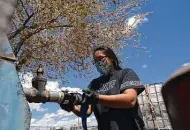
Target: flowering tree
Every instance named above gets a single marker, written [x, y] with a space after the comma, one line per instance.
[61, 34]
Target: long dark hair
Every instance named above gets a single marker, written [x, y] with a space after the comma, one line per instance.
[109, 53]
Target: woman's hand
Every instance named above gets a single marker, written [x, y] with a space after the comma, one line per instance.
[127, 99]
[67, 107]
[89, 97]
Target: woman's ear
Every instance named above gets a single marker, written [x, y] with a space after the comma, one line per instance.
[113, 63]
[110, 60]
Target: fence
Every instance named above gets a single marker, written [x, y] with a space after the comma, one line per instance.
[153, 108]
[46, 128]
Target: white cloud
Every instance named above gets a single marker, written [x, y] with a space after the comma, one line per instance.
[48, 116]
[61, 118]
[144, 66]
[186, 64]
[61, 113]
[134, 21]
[26, 79]
[53, 86]
[33, 120]
[65, 119]
[92, 121]
[37, 107]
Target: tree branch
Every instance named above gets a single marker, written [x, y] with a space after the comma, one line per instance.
[52, 26]
[24, 8]
[22, 61]
[19, 45]
[21, 28]
[26, 21]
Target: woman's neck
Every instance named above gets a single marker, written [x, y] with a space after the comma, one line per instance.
[113, 70]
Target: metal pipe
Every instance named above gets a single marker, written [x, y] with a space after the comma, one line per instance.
[35, 96]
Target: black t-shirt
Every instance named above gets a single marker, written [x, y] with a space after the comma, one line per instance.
[114, 118]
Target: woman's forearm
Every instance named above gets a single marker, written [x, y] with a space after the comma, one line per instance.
[77, 112]
[117, 101]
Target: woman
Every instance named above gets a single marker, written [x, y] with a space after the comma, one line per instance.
[113, 95]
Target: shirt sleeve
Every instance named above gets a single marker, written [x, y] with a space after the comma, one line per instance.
[90, 85]
[131, 80]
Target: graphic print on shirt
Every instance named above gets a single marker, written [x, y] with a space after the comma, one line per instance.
[107, 86]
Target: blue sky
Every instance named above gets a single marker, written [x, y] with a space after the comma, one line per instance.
[168, 37]
[167, 32]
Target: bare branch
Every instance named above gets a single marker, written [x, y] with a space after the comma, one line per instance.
[20, 29]
[24, 8]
